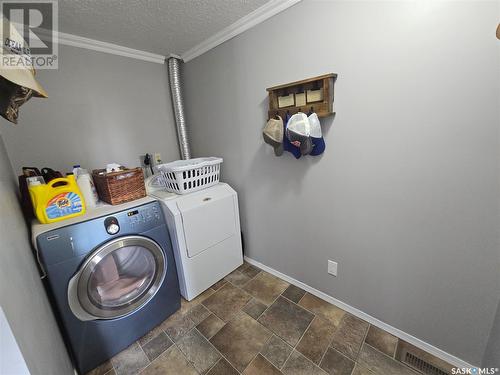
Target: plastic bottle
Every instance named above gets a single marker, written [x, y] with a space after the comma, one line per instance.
[86, 185]
[77, 169]
[58, 200]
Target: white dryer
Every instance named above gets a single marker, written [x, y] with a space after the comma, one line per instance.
[205, 230]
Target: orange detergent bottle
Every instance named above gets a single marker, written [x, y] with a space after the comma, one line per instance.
[58, 200]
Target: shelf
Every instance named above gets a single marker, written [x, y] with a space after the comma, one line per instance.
[320, 87]
[302, 82]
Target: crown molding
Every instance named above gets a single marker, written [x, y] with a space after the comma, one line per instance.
[97, 45]
[252, 19]
[259, 15]
[114, 49]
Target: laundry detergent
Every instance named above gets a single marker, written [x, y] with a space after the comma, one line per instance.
[58, 200]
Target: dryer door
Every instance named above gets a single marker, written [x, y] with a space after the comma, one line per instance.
[208, 218]
[117, 279]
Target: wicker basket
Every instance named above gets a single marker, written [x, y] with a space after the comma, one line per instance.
[119, 187]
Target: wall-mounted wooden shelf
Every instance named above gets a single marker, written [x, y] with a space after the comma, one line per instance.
[300, 96]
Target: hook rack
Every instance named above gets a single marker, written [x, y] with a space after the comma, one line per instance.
[315, 93]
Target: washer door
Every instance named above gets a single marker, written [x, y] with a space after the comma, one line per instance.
[117, 279]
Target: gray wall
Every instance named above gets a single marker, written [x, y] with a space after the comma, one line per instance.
[492, 354]
[101, 109]
[22, 296]
[405, 197]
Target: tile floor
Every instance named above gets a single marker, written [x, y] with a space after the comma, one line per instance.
[254, 323]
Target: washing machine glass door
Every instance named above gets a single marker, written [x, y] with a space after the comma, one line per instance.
[117, 279]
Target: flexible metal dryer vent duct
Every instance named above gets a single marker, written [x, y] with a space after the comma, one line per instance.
[174, 76]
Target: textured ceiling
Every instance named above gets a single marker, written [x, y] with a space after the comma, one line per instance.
[158, 26]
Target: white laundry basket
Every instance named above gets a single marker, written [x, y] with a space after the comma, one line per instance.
[186, 176]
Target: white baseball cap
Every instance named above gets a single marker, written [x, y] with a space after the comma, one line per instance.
[298, 132]
[316, 135]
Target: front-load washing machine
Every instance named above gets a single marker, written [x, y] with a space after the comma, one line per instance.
[205, 231]
[112, 277]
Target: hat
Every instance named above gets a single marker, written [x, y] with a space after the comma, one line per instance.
[316, 135]
[298, 132]
[19, 83]
[273, 134]
[295, 151]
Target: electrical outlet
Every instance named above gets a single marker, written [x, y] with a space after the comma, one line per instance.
[332, 267]
[157, 158]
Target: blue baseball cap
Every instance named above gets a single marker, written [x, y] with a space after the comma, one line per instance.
[298, 132]
[316, 135]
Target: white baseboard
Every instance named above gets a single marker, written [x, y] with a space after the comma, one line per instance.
[451, 359]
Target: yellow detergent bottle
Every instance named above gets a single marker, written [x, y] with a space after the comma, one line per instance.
[54, 203]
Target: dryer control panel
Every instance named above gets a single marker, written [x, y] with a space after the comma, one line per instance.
[78, 239]
[144, 215]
